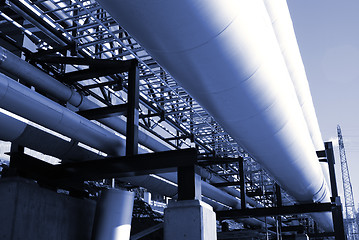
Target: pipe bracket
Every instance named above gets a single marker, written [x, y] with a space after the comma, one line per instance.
[3, 56]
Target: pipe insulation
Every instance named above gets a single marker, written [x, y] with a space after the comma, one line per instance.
[283, 27]
[228, 58]
[21, 133]
[31, 75]
[113, 215]
[284, 31]
[28, 104]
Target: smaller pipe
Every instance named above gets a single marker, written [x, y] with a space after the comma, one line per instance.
[113, 215]
[23, 134]
[33, 76]
[26, 103]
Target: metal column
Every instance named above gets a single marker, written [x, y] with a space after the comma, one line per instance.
[337, 211]
[132, 110]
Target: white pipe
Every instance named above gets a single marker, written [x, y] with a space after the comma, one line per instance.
[283, 28]
[113, 215]
[227, 57]
[60, 14]
[42, 81]
[26, 103]
[19, 132]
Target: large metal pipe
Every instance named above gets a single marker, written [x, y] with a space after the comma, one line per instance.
[228, 55]
[45, 83]
[283, 28]
[26, 103]
[21, 133]
[113, 215]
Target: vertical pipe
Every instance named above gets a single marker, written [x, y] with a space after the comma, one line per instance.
[113, 215]
[283, 27]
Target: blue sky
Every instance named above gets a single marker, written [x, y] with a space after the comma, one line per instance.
[328, 37]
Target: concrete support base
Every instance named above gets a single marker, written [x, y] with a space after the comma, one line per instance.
[188, 220]
[29, 212]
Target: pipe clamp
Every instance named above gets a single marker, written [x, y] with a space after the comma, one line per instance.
[3, 56]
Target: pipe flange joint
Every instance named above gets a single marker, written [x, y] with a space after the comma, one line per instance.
[73, 92]
[3, 55]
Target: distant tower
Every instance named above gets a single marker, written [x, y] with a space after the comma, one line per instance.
[351, 224]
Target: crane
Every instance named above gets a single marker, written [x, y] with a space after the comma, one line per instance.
[351, 224]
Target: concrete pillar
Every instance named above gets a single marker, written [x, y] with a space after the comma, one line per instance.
[113, 215]
[29, 212]
[188, 220]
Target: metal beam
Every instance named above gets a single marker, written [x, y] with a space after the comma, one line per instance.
[92, 72]
[226, 184]
[123, 66]
[242, 183]
[208, 161]
[183, 137]
[189, 183]
[338, 221]
[331, 161]
[104, 112]
[133, 106]
[275, 211]
[97, 67]
[114, 167]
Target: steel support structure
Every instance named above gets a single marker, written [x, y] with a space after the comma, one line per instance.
[111, 167]
[242, 183]
[337, 212]
[279, 210]
[132, 110]
[189, 183]
[278, 201]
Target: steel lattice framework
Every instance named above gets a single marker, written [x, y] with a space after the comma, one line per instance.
[352, 228]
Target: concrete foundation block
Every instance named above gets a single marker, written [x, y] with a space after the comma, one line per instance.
[189, 220]
[28, 211]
